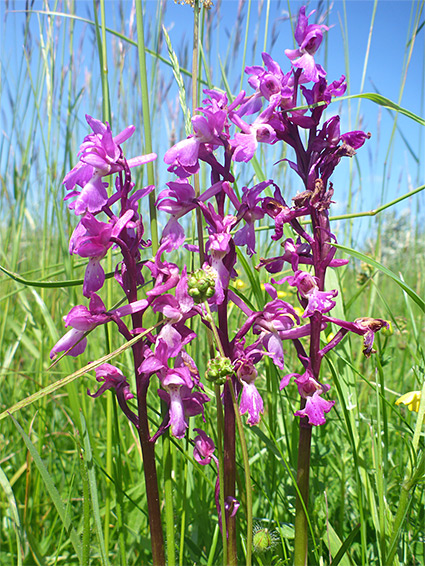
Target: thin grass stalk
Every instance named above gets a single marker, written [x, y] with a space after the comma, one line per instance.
[412, 476]
[167, 458]
[266, 26]
[146, 121]
[148, 448]
[183, 517]
[229, 445]
[195, 77]
[106, 115]
[48, 51]
[85, 539]
[245, 43]
[366, 59]
[301, 504]
[119, 488]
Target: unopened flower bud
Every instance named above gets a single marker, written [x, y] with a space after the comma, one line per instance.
[263, 539]
[201, 285]
[218, 369]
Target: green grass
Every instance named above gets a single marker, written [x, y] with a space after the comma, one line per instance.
[71, 481]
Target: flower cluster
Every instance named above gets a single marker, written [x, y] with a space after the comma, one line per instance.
[224, 132]
[226, 129]
[234, 130]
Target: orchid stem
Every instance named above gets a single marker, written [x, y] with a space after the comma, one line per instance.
[301, 505]
[151, 480]
[248, 484]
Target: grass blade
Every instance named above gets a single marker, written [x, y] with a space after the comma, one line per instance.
[370, 261]
[53, 492]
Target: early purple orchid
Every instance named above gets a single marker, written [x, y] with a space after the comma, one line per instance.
[83, 319]
[112, 377]
[92, 238]
[186, 152]
[261, 130]
[309, 37]
[203, 450]
[268, 83]
[100, 156]
[311, 390]
[253, 212]
[251, 401]
[318, 301]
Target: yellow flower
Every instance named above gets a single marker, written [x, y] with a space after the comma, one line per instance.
[411, 399]
[239, 284]
[299, 311]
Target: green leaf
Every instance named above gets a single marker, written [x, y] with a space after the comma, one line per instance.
[88, 459]
[373, 97]
[14, 515]
[179, 80]
[69, 378]
[53, 492]
[340, 557]
[386, 103]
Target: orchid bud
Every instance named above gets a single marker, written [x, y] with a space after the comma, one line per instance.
[218, 369]
[201, 285]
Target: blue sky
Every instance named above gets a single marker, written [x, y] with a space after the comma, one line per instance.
[350, 21]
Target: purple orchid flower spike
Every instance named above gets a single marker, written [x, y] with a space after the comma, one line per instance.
[315, 408]
[309, 37]
[277, 317]
[268, 83]
[112, 378]
[178, 383]
[100, 155]
[176, 309]
[178, 200]
[321, 92]
[365, 326]
[92, 238]
[183, 402]
[251, 401]
[165, 274]
[295, 253]
[221, 249]
[261, 130]
[231, 505]
[276, 208]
